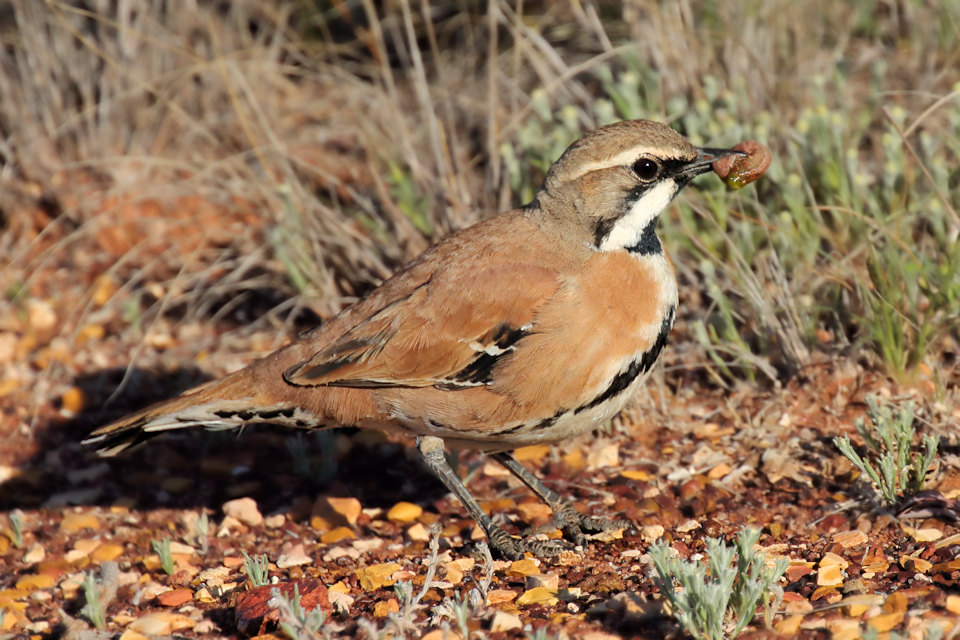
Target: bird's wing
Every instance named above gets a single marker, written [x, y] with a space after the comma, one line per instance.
[443, 327]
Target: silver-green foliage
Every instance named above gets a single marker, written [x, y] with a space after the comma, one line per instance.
[162, 549]
[94, 610]
[297, 623]
[716, 599]
[895, 469]
[16, 528]
[257, 570]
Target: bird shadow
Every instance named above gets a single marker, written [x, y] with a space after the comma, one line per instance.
[197, 469]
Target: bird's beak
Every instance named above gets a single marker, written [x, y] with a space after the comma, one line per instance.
[705, 159]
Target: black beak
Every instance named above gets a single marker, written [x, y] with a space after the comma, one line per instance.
[705, 159]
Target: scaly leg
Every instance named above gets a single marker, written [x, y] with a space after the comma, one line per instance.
[565, 517]
[431, 449]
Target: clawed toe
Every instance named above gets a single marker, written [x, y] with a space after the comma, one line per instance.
[516, 548]
[574, 524]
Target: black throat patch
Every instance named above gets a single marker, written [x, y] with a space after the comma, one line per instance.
[649, 243]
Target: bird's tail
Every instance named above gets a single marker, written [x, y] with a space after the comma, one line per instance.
[225, 403]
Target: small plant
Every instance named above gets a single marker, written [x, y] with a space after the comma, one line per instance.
[16, 528]
[297, 623]
[203, 532]
[893, 468]
[319, 471]
[162, 549]
[717, 599]
[256, 568]
[94, 610]
[460, 612]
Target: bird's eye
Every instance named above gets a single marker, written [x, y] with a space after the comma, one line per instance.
[647, 169]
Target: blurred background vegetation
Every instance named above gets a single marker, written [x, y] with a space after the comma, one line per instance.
[262, 163]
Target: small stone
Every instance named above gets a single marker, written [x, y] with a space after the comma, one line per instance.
[161, 623]
[494, 470]
[523, 568]
[35, 554]
[376, 576]
[404, 512]
[74, 556]
[796, 571]
[337, 535]
[40, 315]
[913, 563]
[500, 596]
[340, 601]
[546, 580]
[567, 558]
[859, 604]
[885, 621]
[533, 453]
[319, 523]
[72, 401]
[175, 598]
[245, 510]
[32, 583]
[795, 603]
[385, 607]
[896, 602]
[418, 533]
[688, 526]
[107, 552]
[636, 474]
[844, 630]
[830, 576]
[953, 604]
[349, 508]
[534, 511]
[605, 456]
[788, 627]
[924, 535]
[830, 559]
[827, 593]
[179, 547]
[606, 536]
[503, 621]
[275, 521]
[652, 532]
[848, 539]
[600, 635]
[441, 634]
[8, 346]
[204, 596]
[368, 545]
[719, 471]
[74, 522]
[293, 558]
[538, 595]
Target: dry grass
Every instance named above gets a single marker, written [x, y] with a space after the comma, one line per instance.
[291, 155]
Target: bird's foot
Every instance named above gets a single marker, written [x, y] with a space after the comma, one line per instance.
[515, 548]
[574, 524]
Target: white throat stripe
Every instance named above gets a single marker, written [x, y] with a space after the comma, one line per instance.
[627, 230]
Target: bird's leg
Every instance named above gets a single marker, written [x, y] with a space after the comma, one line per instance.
[565, 517]
[431, 449]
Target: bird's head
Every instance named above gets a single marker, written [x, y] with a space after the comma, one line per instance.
[615, 181]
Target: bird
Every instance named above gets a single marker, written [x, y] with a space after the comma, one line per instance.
[532, 326]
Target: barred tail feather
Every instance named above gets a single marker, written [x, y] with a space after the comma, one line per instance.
[221, 404]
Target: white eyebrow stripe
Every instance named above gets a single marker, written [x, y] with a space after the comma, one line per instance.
[622, 159]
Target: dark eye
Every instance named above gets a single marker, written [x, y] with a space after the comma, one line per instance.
[646, 169]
